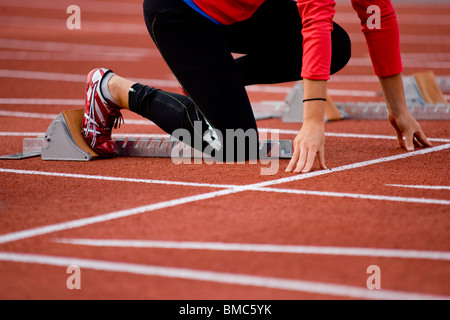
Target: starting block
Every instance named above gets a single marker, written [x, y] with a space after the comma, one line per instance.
[424, 100]
[422, 89]
[293, 106]
[64, 141]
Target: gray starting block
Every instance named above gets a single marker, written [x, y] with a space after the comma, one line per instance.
[293, 106]
[63, 141]
[424, 99]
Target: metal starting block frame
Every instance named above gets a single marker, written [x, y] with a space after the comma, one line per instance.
[378, 111]
[171, 148]
[423, 93]
[64, 141]
[424, 100]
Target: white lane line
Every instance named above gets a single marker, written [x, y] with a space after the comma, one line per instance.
[67, 77]
[410, 39]
[427, 55]
[420, 187]
[88, 26]
[347, 135]
[24, 234]
[63, 56]
[36, 115]
[80, 103]
[374, 136]
[263, 248]
[223, 186]
[353, 166]
[22, 134]
[79, 48]
[430, 39]
[403, 18]
[38, 75]
[103, 7]
[262, 130]
[320, 288]
[122, 8]
[409, 63]
[274, 89]
[15, 236]
[353, 93]
[356, 196]
[371, 79]
[32, 101]
[74, 102]
[116, 179]
[140, 29]
[114, 135]
[353, 78]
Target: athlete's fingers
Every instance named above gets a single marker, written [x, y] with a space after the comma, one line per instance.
[400, 140]
[308, 142]
[294, 159]
[399, 134]
[417, 144]
[409, 133]
[321, 156]
[409, 141]
[422, 138]
[302, 160]
[311, 157]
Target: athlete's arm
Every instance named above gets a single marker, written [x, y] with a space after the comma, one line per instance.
[310, 141]
[317, 18]
[383, 41]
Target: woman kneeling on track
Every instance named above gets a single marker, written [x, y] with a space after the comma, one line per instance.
[279, 41]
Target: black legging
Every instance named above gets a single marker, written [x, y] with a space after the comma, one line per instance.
[199, 53]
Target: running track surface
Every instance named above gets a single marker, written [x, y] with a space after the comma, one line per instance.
[150, 229]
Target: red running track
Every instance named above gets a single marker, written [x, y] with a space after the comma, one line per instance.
[220, 231]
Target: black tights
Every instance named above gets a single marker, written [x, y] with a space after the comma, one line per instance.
[199, 53]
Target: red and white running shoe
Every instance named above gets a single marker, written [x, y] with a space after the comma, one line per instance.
[100, 115]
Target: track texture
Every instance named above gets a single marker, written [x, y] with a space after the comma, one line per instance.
[220, 231]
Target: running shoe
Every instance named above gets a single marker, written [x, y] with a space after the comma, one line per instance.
[100, 115]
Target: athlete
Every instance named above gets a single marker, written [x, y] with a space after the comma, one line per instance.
[279, 41]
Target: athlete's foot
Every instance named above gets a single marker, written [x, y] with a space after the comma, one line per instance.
[101, 115]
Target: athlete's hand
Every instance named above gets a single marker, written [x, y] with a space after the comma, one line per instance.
[409, 133]
[310, 141]
[309, 144]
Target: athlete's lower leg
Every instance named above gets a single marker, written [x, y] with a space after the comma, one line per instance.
[119, 88]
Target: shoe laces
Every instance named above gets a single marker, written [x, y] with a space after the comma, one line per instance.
[115, 118]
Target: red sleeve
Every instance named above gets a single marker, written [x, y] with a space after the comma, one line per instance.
[383, 43]
[317, 17]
